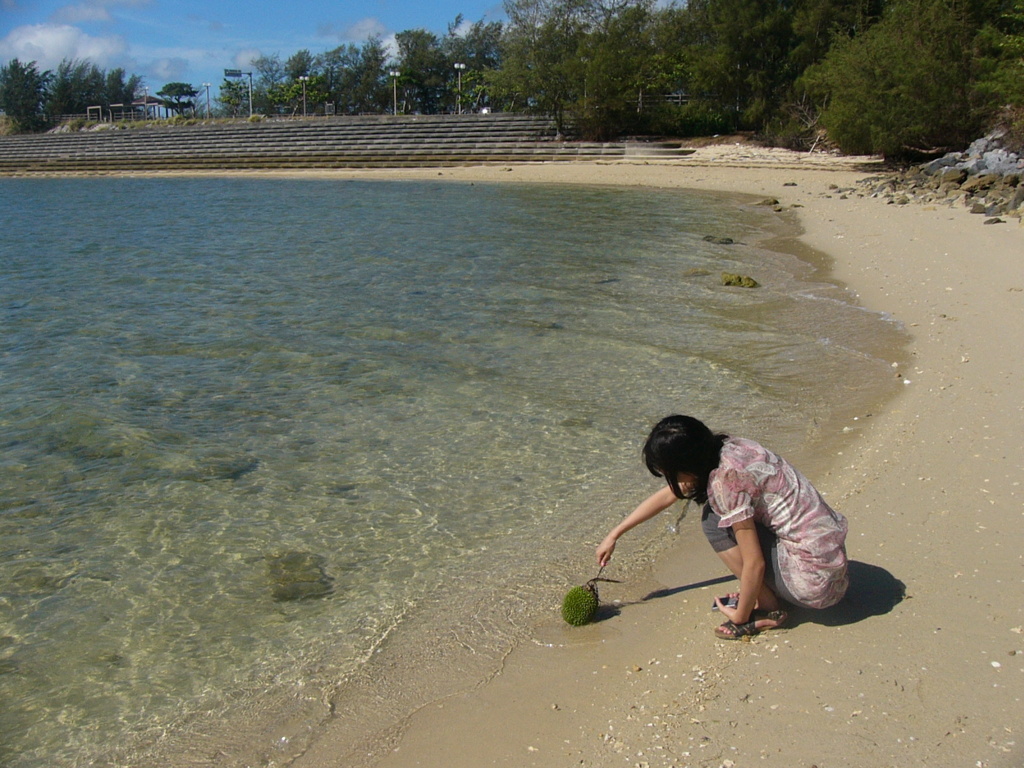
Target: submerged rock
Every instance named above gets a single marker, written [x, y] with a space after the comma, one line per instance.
[741, 281]
[217, 467]
[577, 421]
[718, 240]
[298, 576]
[230, 467]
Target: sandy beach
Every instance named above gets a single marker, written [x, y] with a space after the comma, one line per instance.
[923, 665]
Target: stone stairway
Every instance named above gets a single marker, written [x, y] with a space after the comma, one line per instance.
[345, 142]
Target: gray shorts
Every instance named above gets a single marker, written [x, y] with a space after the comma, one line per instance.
[722, 539]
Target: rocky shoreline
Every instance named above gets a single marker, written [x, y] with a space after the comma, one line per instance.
[986, 178]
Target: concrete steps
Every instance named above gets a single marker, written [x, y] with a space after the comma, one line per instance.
[365, 142]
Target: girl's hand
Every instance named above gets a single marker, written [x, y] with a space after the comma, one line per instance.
[727, 611]
[604, 551]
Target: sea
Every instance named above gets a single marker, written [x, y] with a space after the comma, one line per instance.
[279, 452]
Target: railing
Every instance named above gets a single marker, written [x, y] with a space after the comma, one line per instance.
[648, 99]
[99, 115]
[118, 113]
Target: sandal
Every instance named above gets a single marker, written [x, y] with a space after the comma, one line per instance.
[779, 617]
[730, 630]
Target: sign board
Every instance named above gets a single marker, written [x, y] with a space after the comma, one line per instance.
[232, 73]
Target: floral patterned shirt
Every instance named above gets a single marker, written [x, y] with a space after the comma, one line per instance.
[753, 482]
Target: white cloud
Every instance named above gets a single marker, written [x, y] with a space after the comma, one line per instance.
[464, 28]
[49, 44]
[364, 29]
[168, 70]
[358, 32]
[245, 58]
[91, 11]
[161, 64]
[77, 14]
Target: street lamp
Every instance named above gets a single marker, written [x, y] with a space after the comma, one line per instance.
[207, 87]
[304, 79]
[395, 75]
[459, 66]
[585, 61]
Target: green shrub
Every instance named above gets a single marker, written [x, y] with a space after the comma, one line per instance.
[796, 128]
[1011, 120]
[906, 84]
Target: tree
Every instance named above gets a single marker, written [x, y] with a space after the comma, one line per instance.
[745, 66]
[181, 97]
[119, 90]
[22, 94]
[619, 66]
[424, 70]
[541, 66]
[74, 87]
[299, 64]
[233, 96]
[269, 73]
[1004, 40]
[817, 23]
[368, 85]
[906, 84]
[479, 48]
[289, 96]
[354, 76]
[593, 61]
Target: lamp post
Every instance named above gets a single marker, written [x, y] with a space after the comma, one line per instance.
[207, 87]
[394, 87]
[459, 66]
[585, 61]
[304, 79]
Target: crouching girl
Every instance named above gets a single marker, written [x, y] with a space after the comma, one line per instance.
[767, 523]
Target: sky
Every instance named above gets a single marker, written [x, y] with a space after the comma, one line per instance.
[194, 41]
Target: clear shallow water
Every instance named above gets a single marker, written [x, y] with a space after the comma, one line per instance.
[249, 426]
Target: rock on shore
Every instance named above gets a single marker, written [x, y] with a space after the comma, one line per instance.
[986, 177]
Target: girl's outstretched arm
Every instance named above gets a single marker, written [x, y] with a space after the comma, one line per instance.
[653, 505]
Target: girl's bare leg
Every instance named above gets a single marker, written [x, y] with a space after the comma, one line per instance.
[766, 599]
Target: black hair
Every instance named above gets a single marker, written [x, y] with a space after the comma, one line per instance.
[683, 444]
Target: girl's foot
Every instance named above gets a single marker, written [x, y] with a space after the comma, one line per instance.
[760, 621]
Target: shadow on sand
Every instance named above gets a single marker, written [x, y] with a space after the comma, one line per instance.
[873, 591]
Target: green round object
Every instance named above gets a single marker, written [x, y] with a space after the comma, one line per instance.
[579, 605]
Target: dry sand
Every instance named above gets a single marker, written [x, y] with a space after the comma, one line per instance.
[931, 486]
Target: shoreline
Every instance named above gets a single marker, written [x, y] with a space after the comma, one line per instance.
[931, 487]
